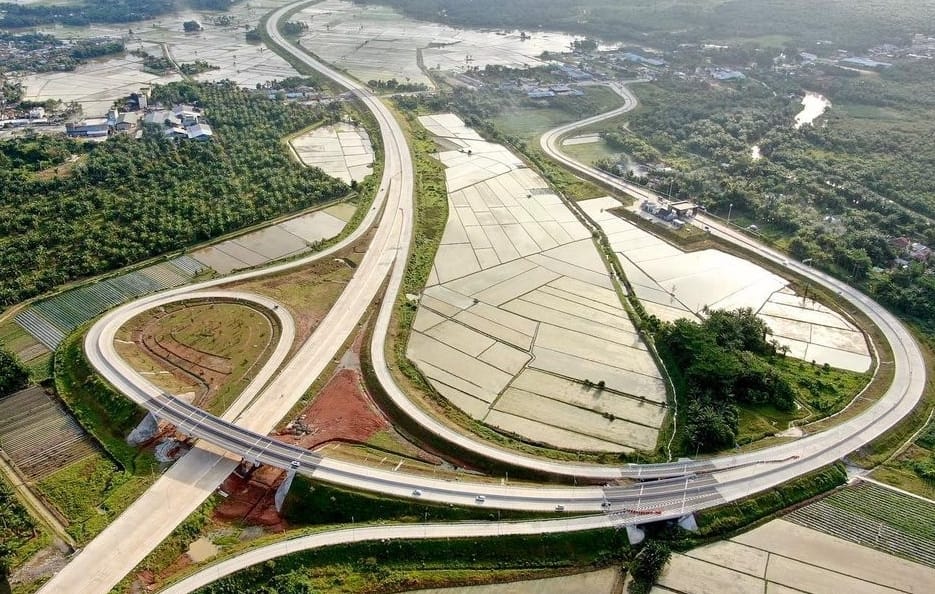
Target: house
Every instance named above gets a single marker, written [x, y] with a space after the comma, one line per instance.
[92, 128]
[176, 132]
[127, 122]
[900, 244]
[162, 117]
[201, 132]
[919, 252]
[187, 114]
[37, 113]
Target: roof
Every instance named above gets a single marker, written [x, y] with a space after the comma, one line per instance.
[200, 131]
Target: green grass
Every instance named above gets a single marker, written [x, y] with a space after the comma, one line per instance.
[104, 413]
[398, 565]
[528, 124]
[90, 493]
[591, 152]
[311, 503]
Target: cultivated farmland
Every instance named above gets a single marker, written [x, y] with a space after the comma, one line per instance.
[876, 517]
[520, 325]
[50, 320]
[39, 436]
[342, 151]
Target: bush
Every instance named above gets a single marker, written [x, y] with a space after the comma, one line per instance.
[647, 565]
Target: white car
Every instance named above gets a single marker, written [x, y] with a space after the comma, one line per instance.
[480, 499]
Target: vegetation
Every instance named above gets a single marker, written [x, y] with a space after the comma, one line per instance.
[90, 494]
[88, 11]
[844, 22]
[104, 413]
[311, 503]
[394, 86]
[294, 28]
[40, 52]
[191, 26]
[647, 565]
[17, 527]
[722, 362]
[395, 566]
[13, 374]
[131, 199]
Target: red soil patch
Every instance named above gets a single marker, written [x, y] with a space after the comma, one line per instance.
[341, 411]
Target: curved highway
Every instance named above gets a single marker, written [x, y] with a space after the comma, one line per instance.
[687, 486]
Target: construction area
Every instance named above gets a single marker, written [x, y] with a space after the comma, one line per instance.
[519, 325]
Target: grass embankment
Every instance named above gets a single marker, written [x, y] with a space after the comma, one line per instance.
[399, 565]
[20, 534]
[311, 503]
[92, 492]
[904, 464]
[396, 566]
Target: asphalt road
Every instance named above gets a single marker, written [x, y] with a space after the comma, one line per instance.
[729, 477]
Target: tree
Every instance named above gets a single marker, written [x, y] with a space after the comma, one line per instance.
[13, 375]
[646, 567]
[191, 26]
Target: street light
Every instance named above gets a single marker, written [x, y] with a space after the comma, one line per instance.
[730, 207]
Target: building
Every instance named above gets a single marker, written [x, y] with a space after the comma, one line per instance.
[684, 209]
[127, 122]
[725, 74]
[640, 59]
[92, 128]
[201, 132]
[864, 63]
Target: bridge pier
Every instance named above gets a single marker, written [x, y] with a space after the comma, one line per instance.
[687, 522]
[635, 534]
[283, 489]
[145, 431]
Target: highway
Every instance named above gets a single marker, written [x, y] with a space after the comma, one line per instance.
[243, 435]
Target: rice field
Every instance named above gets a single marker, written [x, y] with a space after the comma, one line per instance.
[50, 320]
[673, 284]
[38, 434]
[376, 42]
[520, 325]
[877, 517]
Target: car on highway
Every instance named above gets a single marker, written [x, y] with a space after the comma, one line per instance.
[480, 499]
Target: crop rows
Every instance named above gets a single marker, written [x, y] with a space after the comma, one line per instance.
[39, 435]
[876, 517]
[51, 320]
